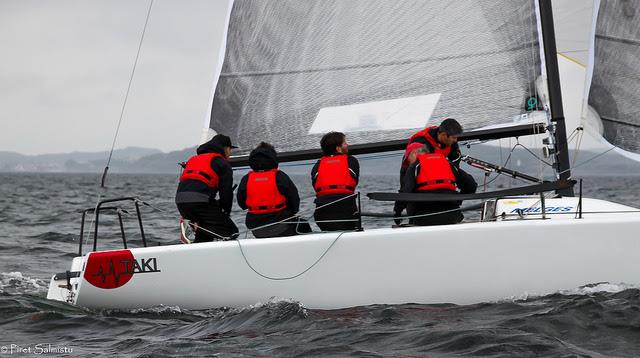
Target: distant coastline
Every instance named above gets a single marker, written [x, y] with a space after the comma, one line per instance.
[136, 160]
[126, 160]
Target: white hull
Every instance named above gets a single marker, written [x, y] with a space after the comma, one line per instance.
[462, 264]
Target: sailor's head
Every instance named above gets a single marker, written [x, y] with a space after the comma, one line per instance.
[223, 142]
[334, 143]
[449, 131]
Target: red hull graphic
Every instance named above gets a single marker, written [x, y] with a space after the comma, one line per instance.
[111, 269]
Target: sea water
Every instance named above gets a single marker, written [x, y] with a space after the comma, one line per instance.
[40, 226]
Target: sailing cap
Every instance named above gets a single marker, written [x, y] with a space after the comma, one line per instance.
[223, 141]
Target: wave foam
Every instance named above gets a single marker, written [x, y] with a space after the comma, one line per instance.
[598, 287]
[17, 283]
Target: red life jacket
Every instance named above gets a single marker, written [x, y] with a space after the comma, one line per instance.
[263, 196]
[334, 176]
[435, 173]
[434, 143]
[199, 168]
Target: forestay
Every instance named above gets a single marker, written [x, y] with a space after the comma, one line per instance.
[374, 69]
[614, 72]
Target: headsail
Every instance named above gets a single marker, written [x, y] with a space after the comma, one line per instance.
[375, 69]
[614, 73]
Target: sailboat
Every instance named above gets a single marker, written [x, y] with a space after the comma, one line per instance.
[378, 70]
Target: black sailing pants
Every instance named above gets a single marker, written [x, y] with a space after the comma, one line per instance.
[210, 217]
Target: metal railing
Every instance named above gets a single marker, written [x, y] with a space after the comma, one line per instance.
[100, 208]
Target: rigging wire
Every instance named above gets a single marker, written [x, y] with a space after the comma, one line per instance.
[578, 146]
[506, 162]
[126, 96]
[589, 160]
[518, 144]
[124, 104]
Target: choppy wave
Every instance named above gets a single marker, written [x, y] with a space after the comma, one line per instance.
[17, 283]
[600, 319]
[591, 322]
[599, 287]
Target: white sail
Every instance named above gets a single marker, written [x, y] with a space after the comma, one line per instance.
[293, 68]
[613, 83]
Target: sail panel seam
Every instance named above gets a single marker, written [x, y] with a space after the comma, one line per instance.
[371, 65]
[618, 39]
[620, 122]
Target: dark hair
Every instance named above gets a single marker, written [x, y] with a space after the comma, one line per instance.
[330, 141]
[267, 146]
[451, 127]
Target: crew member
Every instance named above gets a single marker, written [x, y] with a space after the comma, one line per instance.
[335, 177]
[442, 139]
[270, 196]
[206, 175]
[433, 173]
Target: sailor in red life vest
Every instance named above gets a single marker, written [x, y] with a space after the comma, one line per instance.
[442, 139]
[432, 172]
[334, 177]
[206, 175]
[270, 196]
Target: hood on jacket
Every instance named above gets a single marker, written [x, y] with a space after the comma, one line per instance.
[263, 159]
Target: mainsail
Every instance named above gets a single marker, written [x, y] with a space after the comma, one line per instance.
[614, 72]
[374, 69]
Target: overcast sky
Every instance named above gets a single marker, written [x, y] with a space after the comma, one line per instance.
[65, 68]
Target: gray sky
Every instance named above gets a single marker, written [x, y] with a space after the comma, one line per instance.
[65, 68]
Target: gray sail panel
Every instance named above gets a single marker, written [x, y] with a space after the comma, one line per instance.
[615, 80]
[375, 69]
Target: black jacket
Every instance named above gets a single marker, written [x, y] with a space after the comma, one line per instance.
[261, 159]
[190, 191]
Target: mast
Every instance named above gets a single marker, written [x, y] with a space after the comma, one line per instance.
[561, 150]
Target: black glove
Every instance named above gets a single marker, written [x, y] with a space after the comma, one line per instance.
[397, 214]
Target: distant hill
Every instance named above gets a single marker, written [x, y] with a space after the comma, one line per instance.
[74, 161]
[153, 161]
